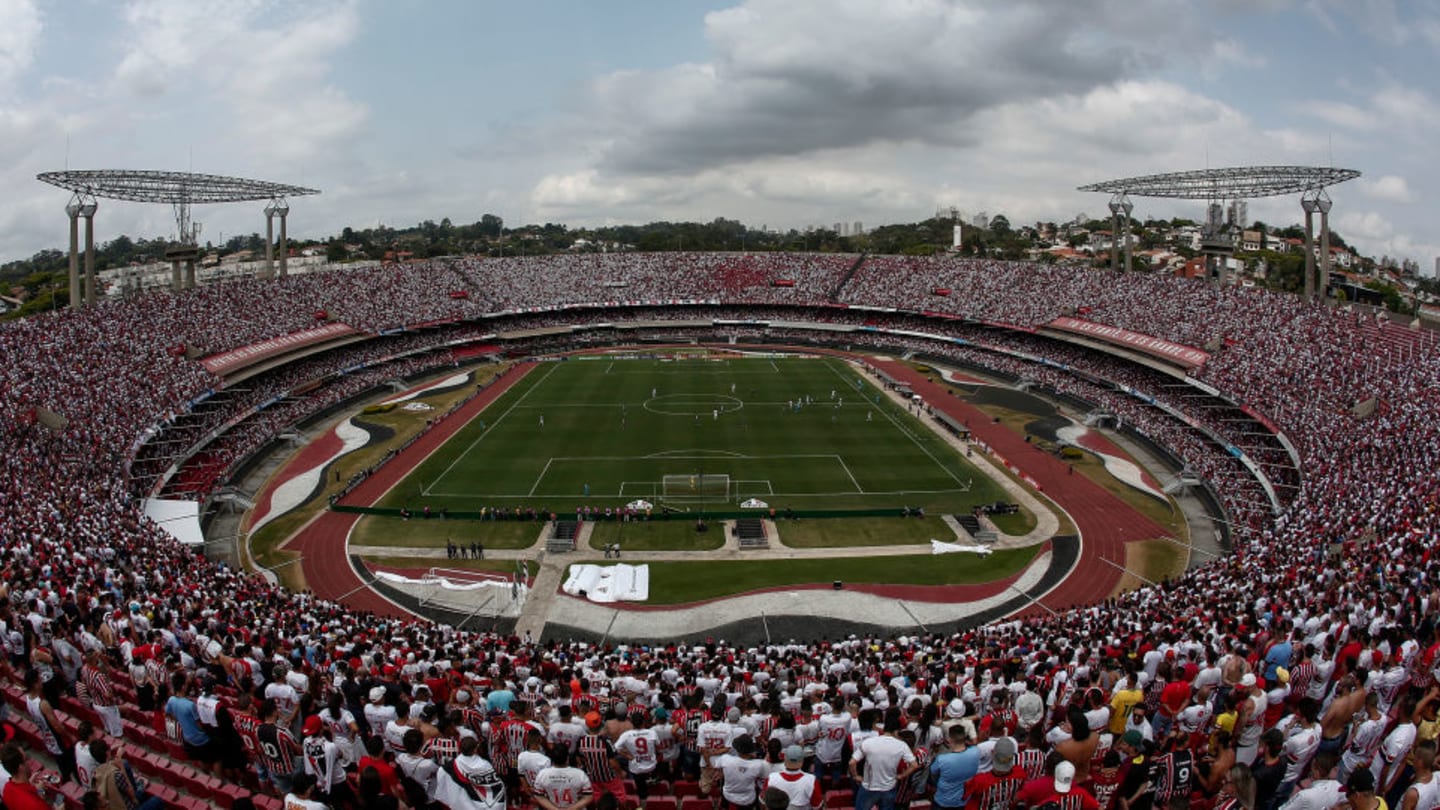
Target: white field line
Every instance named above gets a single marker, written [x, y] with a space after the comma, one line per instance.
[886, 413]
[489, 429]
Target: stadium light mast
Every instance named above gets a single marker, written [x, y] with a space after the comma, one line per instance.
[1239, 183]
[180, 190]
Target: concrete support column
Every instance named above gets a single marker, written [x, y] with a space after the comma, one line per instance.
[176, 281]
[1323, 201]
[88, 212]
[189, 274]
[73, 211]
[1316, 201]
[1120, 208]
[1114, 237]
[1309, 250]
[269, 243]
[284, 243]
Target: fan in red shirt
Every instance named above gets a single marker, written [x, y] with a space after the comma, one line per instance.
[995, 789]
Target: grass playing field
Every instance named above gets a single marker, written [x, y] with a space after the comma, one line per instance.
[702, 432]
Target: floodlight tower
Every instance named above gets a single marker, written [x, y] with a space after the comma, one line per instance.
[1239, 183]
[180, 189]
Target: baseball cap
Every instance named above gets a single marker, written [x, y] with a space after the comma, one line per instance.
[1282, 674]
[1064, 777]
[1133, 738]
[377, 693]
[733, 715]
[1002, 757]
[593, 720]
[1248, 681]
[794, 753]
[313, 725]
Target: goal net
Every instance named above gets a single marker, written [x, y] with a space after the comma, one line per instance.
[707, 484]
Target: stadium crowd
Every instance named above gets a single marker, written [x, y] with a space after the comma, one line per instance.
[1298, 673]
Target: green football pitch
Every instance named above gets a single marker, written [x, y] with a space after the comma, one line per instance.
[700, 432]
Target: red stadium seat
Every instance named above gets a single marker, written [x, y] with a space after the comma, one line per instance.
[840, 798]
[696, 803]
[684, 788]
[662, 803]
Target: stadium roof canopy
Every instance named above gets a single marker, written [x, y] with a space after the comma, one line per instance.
[178, 188]
[1236, 183]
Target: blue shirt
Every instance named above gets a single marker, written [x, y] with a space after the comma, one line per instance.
[188, 717]
[1279, 656]
[950, 771]
[500, 700]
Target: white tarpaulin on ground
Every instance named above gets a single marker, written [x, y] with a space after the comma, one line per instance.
[179, 519]
[937, 547]
[754, 503]
[447, 584]
[609, 583]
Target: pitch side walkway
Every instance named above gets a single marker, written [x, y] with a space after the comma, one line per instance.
[1105, 522]
[879, 605]
[321, 543]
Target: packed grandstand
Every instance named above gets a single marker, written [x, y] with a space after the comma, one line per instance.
[1316, 427]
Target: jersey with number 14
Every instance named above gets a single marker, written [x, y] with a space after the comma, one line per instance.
[562, 786]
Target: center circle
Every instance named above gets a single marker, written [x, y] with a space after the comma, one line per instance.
[692, 404]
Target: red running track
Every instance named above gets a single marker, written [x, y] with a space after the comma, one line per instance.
[1106, 523]
[321, 543]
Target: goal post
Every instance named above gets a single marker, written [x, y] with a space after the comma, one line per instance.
[696, 485]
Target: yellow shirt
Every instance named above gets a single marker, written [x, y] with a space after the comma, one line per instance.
[1120, 706]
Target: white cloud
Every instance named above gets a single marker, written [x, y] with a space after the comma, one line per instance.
[1389, 187]
[1374, 234]
[20, 28]
[267, 63]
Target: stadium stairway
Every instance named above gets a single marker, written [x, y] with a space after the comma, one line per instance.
[751, 533]
[834, 294]
[542, 595]
[969, 523]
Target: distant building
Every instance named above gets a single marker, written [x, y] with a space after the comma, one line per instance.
[857, 229]
[1238, 214]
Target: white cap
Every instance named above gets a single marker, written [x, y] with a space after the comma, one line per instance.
[1064, 777]
[1248, 681]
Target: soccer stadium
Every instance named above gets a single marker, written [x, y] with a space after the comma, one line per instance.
[638, 399]
[1104, 514]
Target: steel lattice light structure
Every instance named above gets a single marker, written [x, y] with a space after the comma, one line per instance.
[180, 190]
[169, 187]
[1235, 184]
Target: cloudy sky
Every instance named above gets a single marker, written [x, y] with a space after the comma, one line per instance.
[775, 112]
